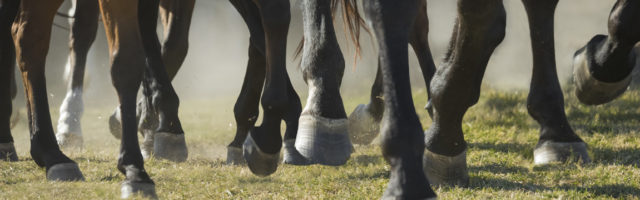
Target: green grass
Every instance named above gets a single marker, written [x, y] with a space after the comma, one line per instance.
[500, 134]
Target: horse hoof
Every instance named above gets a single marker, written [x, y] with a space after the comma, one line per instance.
[446, 170]
[549, 152]
[147, 144]
[291, 155]
[324, 141]
[590, 90]
[65, 172]
[234, 156]
[114, 124]
[363, 127]
[8, 152]
[69, 140]
[259, 162]
[130, 188]
[170, 146]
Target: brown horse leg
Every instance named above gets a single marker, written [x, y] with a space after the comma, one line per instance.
[127, 66]
[8, 11]
[31, 33]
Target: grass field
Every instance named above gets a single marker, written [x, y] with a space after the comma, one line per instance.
[500, 133]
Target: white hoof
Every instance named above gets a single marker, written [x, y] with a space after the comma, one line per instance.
[549, 152]
[324, 141]
[170, 146]
[446, 170]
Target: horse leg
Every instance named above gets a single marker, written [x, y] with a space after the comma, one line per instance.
[31, 34]
[402, 145]
[127, 66]
[84, 26]
[8, 11]
[419, 40]
[364, 121]
[323, 128]
[602, 68]
[479, 28]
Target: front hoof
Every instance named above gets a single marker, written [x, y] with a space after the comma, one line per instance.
[65, 172]
[291, 155]
[8, 152]
[130, 188]
[549, 152]
[114, 124]
[363, 127]
[147, 143]
[170, 146]
[234, 156]
[324, 141]
[69, 140]
[446, 170]
[590, 90]
[259, 162]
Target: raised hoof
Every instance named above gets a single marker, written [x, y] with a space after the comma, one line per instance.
[68, 140]
[446, 170]
[147, 143]
[170, 146]
[129, 189]
[259, 162]
[65, 172]
[8, 152]
[114, 124]
[291, 155]
[549, 152]
[324, 141]
[590, 90]
[363, 127]
[234, 156]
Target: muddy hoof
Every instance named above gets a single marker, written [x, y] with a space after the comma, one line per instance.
[363, 127]
[130, 188]
[69, 140]
[8, 152]
[291, 155]
[234, 156]
[445, 170]
[170, 146]
[147, 143]
[114, 124]
[65, 172]
[259, 162]
[549, 152]
[590, 90]
[324, 141]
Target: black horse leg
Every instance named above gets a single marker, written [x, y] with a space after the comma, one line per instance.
[31, 33]
[84, 26]
[402, 145]
[557, 141]
[480, 27]
[8, 11]
[419, 40]
[602, 68]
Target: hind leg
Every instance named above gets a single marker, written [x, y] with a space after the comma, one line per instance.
[31, 34]
[602, 68]
[419, 40]
[84, 26]
[8, 11]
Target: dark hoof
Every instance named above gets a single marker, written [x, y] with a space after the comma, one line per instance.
[590, 90]
[64, 172]
[291, 155]
[114, 124]
[8, 152]
[69, 140]
[323, 141]
[129, 189]
[363, 127]
[259, 162]
[234, 156]
[445, 170]
[147, 143]
[170, 146]
[549, 152]
[15, 118]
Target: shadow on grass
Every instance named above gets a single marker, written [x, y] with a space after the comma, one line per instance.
[498, 168]
[525, 150]
[620, 156]
[609, 190]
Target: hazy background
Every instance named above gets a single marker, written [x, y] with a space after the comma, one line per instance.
[216, 62]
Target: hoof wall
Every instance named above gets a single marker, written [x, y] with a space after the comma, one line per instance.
[68, 140]
[292, 156]
[446, 170]
[114, 124]
[129, 189]
[234, 156]
[259, 162]
[363, 127]
[324, 141]
[8, 152]
[549, 152]
[590, 90]
[65, 172]
[170, 146]
[147, 144]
